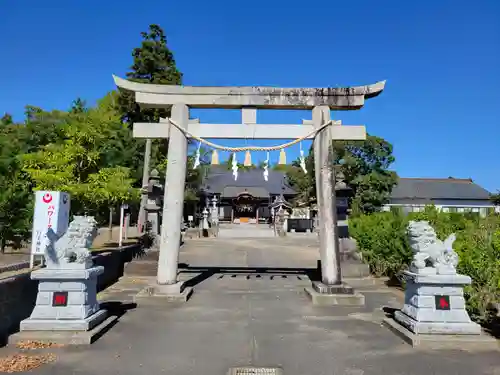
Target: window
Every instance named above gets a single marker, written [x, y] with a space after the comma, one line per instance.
[481, 211]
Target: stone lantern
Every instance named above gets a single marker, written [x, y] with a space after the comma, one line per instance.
[154, 205]
[343, 193]
[281, 211]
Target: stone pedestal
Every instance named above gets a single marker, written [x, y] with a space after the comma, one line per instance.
[164, 293]
[434, 312]
[66, 309]
[334, 295]
[435, 304]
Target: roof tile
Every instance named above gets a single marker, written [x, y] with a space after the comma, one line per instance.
[438, 188]
[218, 179]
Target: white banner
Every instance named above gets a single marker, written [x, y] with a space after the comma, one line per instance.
[51, 212]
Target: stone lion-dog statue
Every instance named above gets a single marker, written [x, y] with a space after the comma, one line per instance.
[431, 256]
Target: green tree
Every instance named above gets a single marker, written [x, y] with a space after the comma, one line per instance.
[365, 167]
[153, 63]
[495, 198]
[15, 209]
[42, 127]
[194, 178]
[303, 183]
[6, 119]
[39, 129]
[78, 106]
[83, 162]
[15, 192]
[109, 188]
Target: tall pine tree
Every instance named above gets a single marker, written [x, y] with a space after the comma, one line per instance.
[6, 119]
[153, 63]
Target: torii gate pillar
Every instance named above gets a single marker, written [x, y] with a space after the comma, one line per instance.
[173, 203]
[325, 196]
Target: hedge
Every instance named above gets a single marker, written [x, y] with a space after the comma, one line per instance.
[382, 240]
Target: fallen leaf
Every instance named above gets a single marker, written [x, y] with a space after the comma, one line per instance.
[37, 345]
[22, 362]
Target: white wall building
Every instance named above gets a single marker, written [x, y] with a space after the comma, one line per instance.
[447, 194]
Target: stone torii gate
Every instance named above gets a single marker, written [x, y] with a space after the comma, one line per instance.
[179, 127]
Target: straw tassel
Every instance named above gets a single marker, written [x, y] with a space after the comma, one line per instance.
[215, 157]
[248, 159]
[282, 159]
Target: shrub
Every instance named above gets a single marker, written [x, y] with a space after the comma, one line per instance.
[478, 248]
[382, 240]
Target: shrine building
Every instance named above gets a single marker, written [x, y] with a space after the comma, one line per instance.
[248, 198]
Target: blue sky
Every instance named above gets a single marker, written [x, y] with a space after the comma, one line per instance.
[441, 60]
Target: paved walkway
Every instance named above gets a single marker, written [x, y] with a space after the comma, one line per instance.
[245, 230]
[249, 309]
[241, 231]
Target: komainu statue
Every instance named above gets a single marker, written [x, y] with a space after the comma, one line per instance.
[430, 255]
[71, 250]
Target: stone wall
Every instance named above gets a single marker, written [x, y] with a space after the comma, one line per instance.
[17, 299]
[14, 267]
[18, 293]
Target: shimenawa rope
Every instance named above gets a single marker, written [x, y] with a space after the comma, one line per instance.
[249, 148]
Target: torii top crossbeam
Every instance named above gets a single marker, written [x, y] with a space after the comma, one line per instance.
[157, 96]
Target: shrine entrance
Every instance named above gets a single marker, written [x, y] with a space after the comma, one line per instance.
[245, 209]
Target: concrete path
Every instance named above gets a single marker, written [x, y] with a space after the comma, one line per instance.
[240, 231]
[249, 309]
[235, 231]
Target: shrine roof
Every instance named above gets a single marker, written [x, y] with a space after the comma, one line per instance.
[234, 191]
[219, 179]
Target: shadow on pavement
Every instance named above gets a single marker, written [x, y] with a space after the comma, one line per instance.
[115, 309]
[204, 273]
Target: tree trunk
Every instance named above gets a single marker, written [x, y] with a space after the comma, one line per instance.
[110, 227]
[3, 243]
